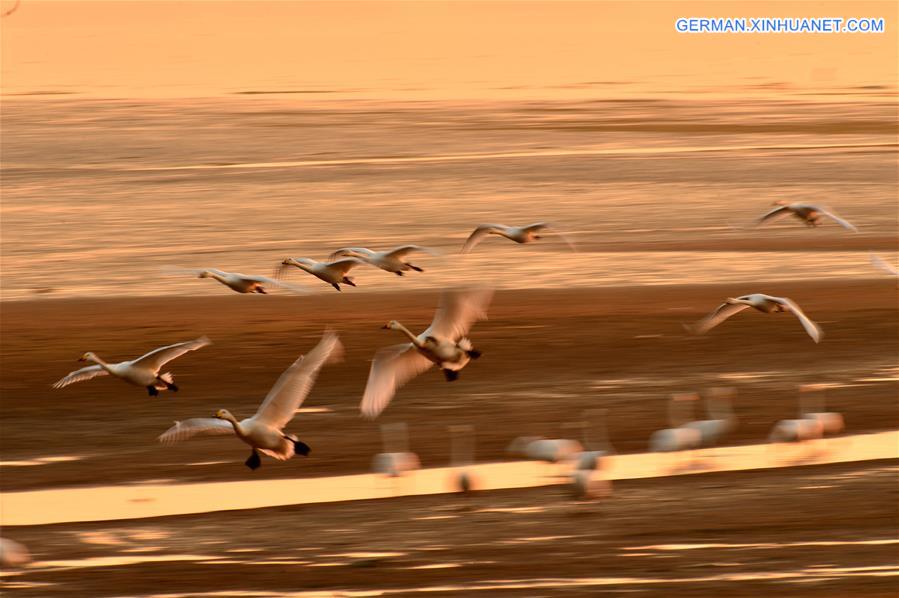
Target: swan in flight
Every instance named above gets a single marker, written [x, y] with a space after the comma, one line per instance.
[443, 343]
[808, 213]
[241, 283]
[391, 261]
[334, 273]
[764, 303]
[264, 432]
[519, 234]
[143, 371]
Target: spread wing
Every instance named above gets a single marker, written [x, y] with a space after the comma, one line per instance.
[158, 358]
[205, 426]
[458, 310]
[391, 368]
[350, 251]
[774, 214]
[345, 265]
[811, 327]
[721, 313]
[291, 389]
[845, 224]
[404, 250]
[91, 371]
[884, 265]
[480, 232]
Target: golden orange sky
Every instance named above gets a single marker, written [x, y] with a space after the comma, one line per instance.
[428, 49]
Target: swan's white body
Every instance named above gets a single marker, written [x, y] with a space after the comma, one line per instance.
[264, 431]
[391, 261]
[334, 273]
[763, 303]
[443, 344]
[796, 430]
[244, 283]
[681, 436]
[808, 213]
[143, 371]
[550, 450]
[519, 234]
[721, 420]
[395, 464]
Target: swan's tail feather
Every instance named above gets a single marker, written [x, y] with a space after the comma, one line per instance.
[168, 377]
[465, 344]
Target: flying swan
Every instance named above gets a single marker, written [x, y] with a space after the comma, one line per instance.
[764, 303]
[443, 343]
[519, 234]
[264, 432]
[808, 213]
[334, 273]
[143, 371]
[391, 261]
[240, 283]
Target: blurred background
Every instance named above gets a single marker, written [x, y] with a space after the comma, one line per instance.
[137, 136]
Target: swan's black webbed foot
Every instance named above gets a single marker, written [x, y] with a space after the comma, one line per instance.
[474, 354]
[261, 291]
[335, 285]
[398, 273]
[451, 375]
[254, 461]
[416, 268]
[349, 281]
[152, 391]
[300, 447]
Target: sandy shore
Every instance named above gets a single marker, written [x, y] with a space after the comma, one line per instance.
[621, 348]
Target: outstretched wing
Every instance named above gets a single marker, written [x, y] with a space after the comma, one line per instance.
[345, 265]
[774, 214]
[458, 310]
[350, 251]
[538, 226]
[391, 368]
[405, 250]
[721, 313]
[811, 327]
[161, 356]
[480, 232]
[91, 371]
[291, 389]
[845, 224]
[205, 426]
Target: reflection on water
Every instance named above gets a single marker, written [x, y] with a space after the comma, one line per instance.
[765, 546]
[40, 461]
[139, 501]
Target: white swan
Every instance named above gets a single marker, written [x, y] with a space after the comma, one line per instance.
[810, 214]
[264, 431]
[143, 371]
[765, 304]
[391, 261]
[396, 459]
[679, 436]
[519, 234]
[334, 273]
[443, 343]
[721, 418]
[241, 283]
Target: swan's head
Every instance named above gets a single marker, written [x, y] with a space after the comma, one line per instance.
[204, 274]
[296, 261]
[780, 202]
[391, 325]
[88, 357]
[224, 414]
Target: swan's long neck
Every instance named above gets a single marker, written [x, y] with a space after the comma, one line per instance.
[217, 276]
[301, 266]
[236, 424]
[101, 363]
[408, 333]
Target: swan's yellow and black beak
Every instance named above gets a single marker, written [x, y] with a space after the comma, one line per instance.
[385, 327]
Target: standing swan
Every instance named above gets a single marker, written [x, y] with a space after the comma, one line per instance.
[808, 213]
[334, 273]
[443, 343]
[391, 261]
[264, 432]
[143, 371]
[519, 234]
[764, 303]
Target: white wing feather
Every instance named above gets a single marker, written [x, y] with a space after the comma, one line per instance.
[161, 356]
[206, 426]
[91, 371]
[721, 313]
[294, 385]
[811, 327]
[391, 368]
[845, 224]
[480, 232]
[457, 311]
